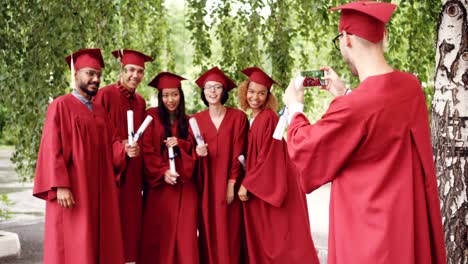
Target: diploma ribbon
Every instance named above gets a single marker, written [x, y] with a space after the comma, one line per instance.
[142, 128]
[171, 159]
[196, 131]
[132, 136]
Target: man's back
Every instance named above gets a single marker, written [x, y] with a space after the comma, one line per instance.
[386, 108]
[374, 145]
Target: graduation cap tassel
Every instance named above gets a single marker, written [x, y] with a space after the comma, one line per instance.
[72, 72]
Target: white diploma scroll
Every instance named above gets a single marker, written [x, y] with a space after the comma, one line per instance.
[283, 120]
[241, 159]
[281, 126]
[130, 126]
[196, 131]
[171, 159]
[142, 128]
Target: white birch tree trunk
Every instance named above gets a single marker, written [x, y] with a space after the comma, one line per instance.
[449, 126]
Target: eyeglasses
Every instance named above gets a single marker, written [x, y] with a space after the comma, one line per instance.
[335, 41]
[214, 87]
[91, 74]
[337, 38]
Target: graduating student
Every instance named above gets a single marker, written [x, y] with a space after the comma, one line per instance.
[277, 228]
[117, 99]
[78, 156]
[224, 131]
[170, 215]
[374, 145]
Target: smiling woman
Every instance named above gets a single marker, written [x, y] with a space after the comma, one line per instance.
[170, 199]
[271, 101]
[270, 191]
[224, 131]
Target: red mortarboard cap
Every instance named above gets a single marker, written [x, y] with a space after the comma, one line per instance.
[365, 19]
[131, 57]
[257, 75]
[91, 58]
[166, 80]
[216, 75]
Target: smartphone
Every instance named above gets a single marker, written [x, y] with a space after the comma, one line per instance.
[313, 78]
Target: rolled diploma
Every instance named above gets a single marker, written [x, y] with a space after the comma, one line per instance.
[281, 126]
[196, 131]
[171, 159]
[241, 159]
[142, 128]
[283, 121]
[130, 126]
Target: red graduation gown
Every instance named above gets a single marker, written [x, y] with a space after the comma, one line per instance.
[170, 215]
[277, 228]
[130, 200]
[374, 146]
[221, 224]
[77, 152]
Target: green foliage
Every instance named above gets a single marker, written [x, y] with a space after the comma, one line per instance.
[187, 37]
[413, 38]
[200, 32]
[5, 214]
[283, 37]
[5, 136]
[37, 35]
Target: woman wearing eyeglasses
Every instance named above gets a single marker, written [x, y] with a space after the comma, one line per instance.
[277, 228]
[224, 132]
[170, 212]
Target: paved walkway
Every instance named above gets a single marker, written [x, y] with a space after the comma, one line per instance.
[25, 209]
[28, 215]
[31, 238]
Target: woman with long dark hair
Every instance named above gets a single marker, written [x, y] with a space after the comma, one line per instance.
[224, 131]
[169, 233]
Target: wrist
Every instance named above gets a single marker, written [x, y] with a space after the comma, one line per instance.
[293, 109]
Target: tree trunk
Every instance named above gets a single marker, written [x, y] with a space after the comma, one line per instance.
[450, 126]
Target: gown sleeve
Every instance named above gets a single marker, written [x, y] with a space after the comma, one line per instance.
[240, 141]
[154, 164]
[54, 153]
[320, 151]
[119, 156]
[185, 162]
[266, 175]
